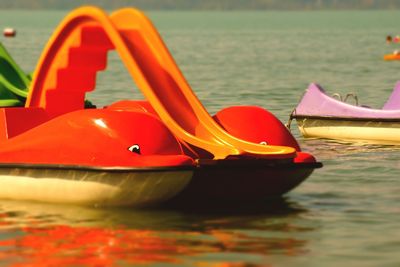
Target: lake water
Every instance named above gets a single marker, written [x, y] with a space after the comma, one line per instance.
[345, 214]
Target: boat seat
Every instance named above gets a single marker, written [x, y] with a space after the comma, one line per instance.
[393, 101]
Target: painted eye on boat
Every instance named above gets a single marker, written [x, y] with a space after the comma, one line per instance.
[135, 149]
[263, 143]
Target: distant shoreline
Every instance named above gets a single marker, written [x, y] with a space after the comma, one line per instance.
[199, 9]
[208, 5]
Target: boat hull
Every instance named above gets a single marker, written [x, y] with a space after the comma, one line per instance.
[374, 131]
[92, 186]
[220, 182]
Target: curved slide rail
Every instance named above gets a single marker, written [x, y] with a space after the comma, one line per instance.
[78, 49]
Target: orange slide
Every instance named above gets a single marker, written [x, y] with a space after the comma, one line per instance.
[78, 49]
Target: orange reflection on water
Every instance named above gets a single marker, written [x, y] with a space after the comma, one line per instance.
[63, 245]
[42, 235]
[68, 246]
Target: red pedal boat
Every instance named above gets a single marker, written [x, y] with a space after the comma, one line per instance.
[136, 153]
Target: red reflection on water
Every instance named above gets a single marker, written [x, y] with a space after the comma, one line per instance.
[70, 246]
[65, 245]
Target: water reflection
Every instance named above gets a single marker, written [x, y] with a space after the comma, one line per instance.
[33, 234]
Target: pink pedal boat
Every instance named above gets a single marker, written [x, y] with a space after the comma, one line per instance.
[319, 115]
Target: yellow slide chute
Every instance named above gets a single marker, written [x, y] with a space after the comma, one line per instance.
[78, 49]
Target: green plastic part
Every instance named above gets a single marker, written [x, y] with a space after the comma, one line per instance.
[14, 83]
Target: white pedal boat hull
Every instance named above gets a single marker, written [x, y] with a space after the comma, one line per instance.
[380, 132]
[90, 186]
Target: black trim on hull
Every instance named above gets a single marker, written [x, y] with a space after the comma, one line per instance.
[94, 168]
[203, 163]
[256, 163]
